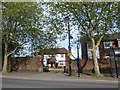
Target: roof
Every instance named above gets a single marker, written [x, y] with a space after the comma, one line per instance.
[112, 37]
[54, 51]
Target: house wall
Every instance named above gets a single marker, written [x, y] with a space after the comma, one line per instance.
[104, 49]
[90, 53]
[102, 52]
[59, 57]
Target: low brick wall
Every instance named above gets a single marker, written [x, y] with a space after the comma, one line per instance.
[30, 64]
[89, 65]
[34, 64]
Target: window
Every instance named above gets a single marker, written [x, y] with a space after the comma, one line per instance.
[61, 63]
[108, 44]
[118, 43]
[62, 55]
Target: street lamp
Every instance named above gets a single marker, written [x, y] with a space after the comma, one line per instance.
[67, 19]
[78, 59]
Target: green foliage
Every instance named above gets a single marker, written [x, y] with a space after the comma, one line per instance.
[94, 18]
[42, 23]
[18, 21]
[28, 22]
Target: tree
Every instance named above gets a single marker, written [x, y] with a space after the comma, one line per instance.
[95, 19]
[26, 23]
[50, 24]
[18, 21]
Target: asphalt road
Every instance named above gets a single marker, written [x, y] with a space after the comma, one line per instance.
[19, 83]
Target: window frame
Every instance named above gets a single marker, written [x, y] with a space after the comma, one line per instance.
[109, 44]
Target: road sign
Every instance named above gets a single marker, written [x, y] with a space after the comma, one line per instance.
[70, 54]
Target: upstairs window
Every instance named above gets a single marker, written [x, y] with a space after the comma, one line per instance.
[119, 43]
[108, 44]
[62, 55]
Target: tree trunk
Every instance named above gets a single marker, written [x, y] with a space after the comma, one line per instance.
[96, 66]
[5, 64]
[41, 64]
[5, 60]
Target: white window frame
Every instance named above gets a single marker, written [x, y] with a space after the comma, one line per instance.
[109, 44]
[118, 42]
[62, 55]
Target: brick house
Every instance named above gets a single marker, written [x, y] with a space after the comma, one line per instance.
[111, 40]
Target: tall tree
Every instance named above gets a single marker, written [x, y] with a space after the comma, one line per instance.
[26, 22]
[18, 21]
[95, 19]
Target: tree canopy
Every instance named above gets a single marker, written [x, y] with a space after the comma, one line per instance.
[93, 20]
[26, 23]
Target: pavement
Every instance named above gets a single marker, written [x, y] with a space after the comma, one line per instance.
[57, 75]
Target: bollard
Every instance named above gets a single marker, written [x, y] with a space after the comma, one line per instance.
[64, 69]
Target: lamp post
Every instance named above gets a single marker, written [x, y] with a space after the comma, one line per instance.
[78, 60]
[67, 19]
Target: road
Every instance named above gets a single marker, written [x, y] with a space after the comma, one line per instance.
[19, 83]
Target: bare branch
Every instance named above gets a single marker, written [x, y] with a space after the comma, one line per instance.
[98, 43]
[15, 49]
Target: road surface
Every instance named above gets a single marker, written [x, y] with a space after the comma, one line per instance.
[22, 83]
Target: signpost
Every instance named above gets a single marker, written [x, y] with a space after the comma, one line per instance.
[70, 54]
